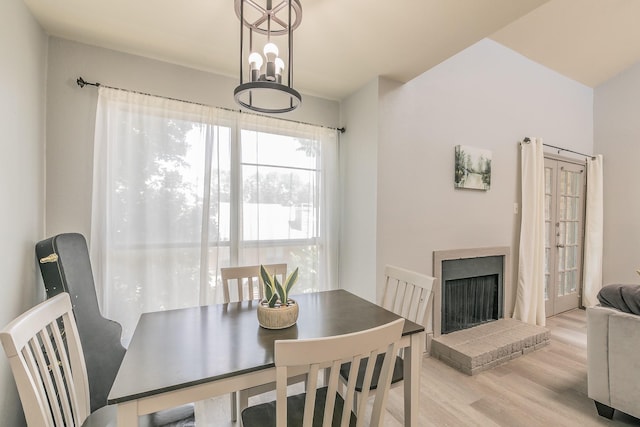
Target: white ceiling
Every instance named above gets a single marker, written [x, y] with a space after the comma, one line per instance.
[343, 44]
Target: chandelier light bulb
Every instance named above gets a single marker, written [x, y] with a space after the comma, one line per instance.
[279, 67]
[255, 62]
[270, 51]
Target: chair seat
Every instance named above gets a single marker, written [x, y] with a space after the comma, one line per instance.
[398, 372]
[103, 417]
[182, 416]
[264, 415]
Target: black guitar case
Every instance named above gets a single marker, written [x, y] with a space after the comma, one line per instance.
[65, 267]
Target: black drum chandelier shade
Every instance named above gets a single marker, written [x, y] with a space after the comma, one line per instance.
[266, 76]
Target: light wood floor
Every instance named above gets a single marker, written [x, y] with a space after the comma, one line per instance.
[547, 387]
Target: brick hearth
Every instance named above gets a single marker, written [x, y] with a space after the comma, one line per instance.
[485, 346]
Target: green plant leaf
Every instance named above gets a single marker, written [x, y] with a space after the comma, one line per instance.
[269, 294]
[281, 291]
[269, 289]
[267, 279]
[272, 300]
[291, 280]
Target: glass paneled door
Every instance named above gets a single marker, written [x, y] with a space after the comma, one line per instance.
[564, 216]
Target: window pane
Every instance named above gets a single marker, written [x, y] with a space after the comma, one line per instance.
[561, 256]
[547, 180]
[546, 287]
[278, 150]
[279, 187]
[575, 180]
[547, 234]
[570, 238]
[278, 203]
[573, 281]
[547, 253]
[574, 208]
[547, 207]
[560, 285]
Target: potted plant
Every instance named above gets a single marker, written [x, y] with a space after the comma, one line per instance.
[277, 310]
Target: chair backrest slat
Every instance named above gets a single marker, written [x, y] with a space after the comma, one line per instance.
[32, 370]
[330, 353]
[48, 365]
[408, 294]
[49, 362]
[248, 283]
[386, 372]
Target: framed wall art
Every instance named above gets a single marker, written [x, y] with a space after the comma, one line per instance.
[472, 168]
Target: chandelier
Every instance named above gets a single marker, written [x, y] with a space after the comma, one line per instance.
[266, 50]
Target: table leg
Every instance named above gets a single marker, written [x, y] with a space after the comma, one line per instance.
[234, 406]
[128, 414]
[243, 401]
[412, 365]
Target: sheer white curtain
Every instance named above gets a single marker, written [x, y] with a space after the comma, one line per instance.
[529, 306]
[182, 189]
[593, 235]
[155, 229]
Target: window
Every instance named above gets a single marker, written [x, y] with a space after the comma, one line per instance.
[181, 190]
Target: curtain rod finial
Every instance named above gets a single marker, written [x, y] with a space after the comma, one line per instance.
[82, 83]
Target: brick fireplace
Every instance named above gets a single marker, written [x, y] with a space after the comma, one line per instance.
[472, 328]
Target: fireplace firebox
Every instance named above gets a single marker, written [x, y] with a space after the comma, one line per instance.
[471, 292]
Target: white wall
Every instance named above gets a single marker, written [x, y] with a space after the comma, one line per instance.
[22, 109]
[617, 138]
[488, 97]
[71, 116]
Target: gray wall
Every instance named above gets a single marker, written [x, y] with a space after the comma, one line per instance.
[358, 157]
[71, 116]
[488, 97]
[23, 56]
[617, 137]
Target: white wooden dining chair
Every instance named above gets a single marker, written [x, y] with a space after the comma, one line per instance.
[407, 294]
[45, 355]
[241, 284]
[325, 406]
[244, 283]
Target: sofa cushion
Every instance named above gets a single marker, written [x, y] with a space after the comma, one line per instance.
[625, 298]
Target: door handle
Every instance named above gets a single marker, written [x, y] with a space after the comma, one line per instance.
[559, 246]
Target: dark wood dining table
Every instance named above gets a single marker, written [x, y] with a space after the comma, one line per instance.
[190, 354]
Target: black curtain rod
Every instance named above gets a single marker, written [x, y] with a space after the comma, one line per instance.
[527, 139]
[82, 83]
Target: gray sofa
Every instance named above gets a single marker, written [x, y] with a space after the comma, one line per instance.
[613, 359]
